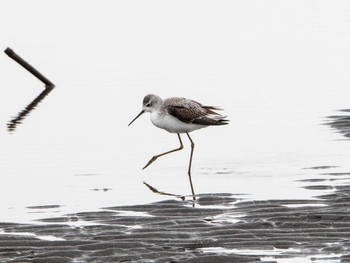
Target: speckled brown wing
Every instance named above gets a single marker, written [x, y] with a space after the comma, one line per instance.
[190, 111]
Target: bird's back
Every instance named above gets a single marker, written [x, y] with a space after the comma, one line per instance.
[190, 111]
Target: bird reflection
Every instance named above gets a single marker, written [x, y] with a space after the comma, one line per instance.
[155, 190]
[12, 124]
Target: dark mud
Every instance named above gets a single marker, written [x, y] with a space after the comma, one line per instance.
[219, 228]
[341, 122]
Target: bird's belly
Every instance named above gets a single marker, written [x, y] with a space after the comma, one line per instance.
[172, 124]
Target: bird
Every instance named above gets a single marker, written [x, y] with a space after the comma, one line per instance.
[180, 115]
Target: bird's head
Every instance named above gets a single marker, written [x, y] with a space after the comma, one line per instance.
[150, 103]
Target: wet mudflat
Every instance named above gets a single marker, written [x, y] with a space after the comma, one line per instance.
[217, 228]
[341, 122]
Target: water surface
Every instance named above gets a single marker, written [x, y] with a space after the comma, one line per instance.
[278, 70]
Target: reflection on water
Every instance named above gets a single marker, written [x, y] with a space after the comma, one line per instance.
[341, 123]
[12, 124]
[155, 190]
[87, 167]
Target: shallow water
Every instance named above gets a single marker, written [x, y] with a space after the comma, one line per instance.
[278, 70]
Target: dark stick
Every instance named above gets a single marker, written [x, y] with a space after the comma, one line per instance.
[28, 67]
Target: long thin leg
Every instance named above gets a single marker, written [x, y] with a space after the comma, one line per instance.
[159, 155]
[190, 165]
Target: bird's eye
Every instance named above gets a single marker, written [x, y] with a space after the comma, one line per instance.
[148, 104]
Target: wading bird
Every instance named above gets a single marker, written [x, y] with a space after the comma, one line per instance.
[179, 115]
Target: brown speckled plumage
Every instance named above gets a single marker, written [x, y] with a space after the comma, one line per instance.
[190, 111]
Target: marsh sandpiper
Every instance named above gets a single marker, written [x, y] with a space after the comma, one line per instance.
[180, 115]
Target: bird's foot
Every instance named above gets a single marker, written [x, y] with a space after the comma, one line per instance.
[150, 161]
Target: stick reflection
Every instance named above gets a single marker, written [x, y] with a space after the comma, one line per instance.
[12, 124]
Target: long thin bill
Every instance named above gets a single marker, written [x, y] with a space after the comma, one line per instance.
[136, 117]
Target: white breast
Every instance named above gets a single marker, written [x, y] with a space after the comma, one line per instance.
[172, 124]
